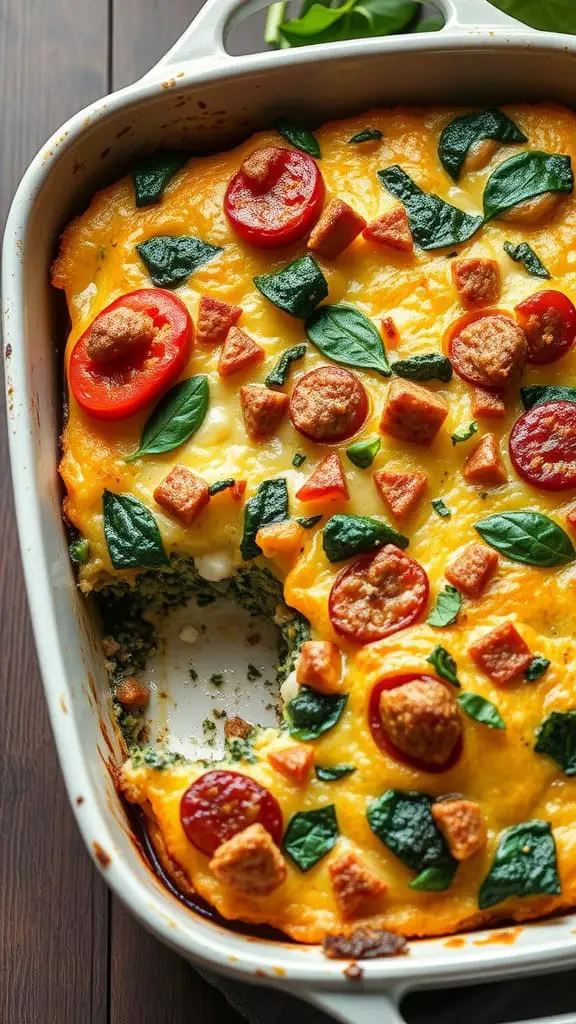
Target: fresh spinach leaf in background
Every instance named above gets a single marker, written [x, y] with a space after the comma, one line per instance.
[434, 223]
[311, 713]
[539, 394]
[557, 739]
[524, 865]
[528, 537]
[547, 15]
[269, 505]
[461, 133]
[525, 176]
[346, 536]
[311, 835]
[175, 419]
[344, 335]
[524, 253]
[131, 533]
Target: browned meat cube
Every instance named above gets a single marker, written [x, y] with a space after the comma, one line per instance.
[484, 466]
[355, 886]
[250, 862]
[462, 825]
[502, 654]
[401, 492]
[337, 228]
[477, 281]
[471, 571]
[183, 494]
[262, 409]
[412, 413]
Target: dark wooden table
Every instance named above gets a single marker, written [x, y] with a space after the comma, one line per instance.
[69, 952]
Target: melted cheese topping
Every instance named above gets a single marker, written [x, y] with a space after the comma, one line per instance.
[500, 770]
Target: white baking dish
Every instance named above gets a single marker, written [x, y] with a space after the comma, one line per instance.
[200, 97]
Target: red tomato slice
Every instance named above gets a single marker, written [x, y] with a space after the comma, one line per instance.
[328, 404]
[327, 482]
[282, 206]
[548, 320]
[220, 804]
[543, 446]
[380, 736]
[115, 390]
[378, 595]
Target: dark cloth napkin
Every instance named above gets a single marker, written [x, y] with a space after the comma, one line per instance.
[525, 999]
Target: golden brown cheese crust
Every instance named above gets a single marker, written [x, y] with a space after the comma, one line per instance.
[98, 263]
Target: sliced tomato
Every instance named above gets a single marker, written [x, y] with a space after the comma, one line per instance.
[117, 389]
[279, 207]
[543, 446]
[378, 595]
[327, 482]
[380, 736]
[220, 804]
[328, 404]
[548, 320]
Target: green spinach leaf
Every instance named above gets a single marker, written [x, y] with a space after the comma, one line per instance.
[441, 508]
[171, 259]
[131, 533]
[524, 253]
[431, 366]
[481, 710]
[444, 663]
[299, 459]
[269, 505]
[221, 485]
[366, 135]
[308, 521]
[557, 739]
[435, 879]
[279, 375]
[524, 865]
[152, 174]
[526, 176]
[311, 713]
[432, 24]
[404, 823]
[458, 136]
[79, 551]
[528, 537]
[311, 835]
[332, 772]
[464, 432]
[297, 288]
[346, 336]
[299, 137]
[448, 605]
[175, 419]
[537, 667]
[539, 394]
[363, 453]
[551, 16]
[322, 21]
[347, 535]
[433, 222]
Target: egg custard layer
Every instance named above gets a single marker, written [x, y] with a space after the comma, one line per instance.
[374, 844]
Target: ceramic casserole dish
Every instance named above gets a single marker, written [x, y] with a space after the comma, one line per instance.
[202, 99]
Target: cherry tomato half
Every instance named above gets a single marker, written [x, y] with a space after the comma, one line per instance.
[280, 207]
[220, 804]
[380, 736]
[548, 320]
[543, 446]
[117, 389]
[377, 595]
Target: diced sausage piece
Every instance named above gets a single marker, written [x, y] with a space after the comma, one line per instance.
[281, 539]
[238, 353]
[328, 404]
[260, 165]
[319, 666]
[479, 154]
[327, 482]
[355, 886]
[412, 413]
[118, 333]
[183, 494]
[477, 281]
[390, 331]
[262, 409]
[294, 762]
[392, 229]
[488, 349]
[401, 492]
[471, 571]
[237, 728]
[422, 719]
[463, 826]
[215, 318]
[364, 944]
[337, 228]
[484, 466]
[132, 694]
[502, 654]
[250, 862]
[487, 405]
[531, 210]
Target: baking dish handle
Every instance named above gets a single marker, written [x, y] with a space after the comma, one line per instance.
[205, 36]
